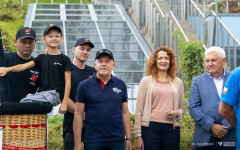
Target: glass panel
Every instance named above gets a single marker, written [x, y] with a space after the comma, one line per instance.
[83, 24]
[48, 12]
[132, 90]
[79, 17]
[127, 65]
[104, 6]
[97, 45]
[81, 31]
[107, 24]
[130, 77]
[47, 6]
[48, 17]
[132, 105]
[36, 24]
[115, 31]
[77, 12]
[109, 18]
[76, 6]
[75, 37]
[126, 55]
[119, 38]
[122, 46]
[106, 12]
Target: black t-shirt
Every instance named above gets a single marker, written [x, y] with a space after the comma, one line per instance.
[16, 85]
[52, 71]
[77, 76]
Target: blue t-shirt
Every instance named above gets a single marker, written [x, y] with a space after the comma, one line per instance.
[103, 109]
[231, 96]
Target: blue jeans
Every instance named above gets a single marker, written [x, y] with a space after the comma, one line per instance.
[105, 146]
[161, 136]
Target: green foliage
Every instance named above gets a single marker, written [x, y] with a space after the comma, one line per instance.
[55, 139]
[12, 18]
[186, 132]
[133, 135]
[191, 61]
[221, 7]
[191, 64]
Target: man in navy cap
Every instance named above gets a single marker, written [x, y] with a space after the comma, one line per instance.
[104, 99]
[18, 85]
[81, 50]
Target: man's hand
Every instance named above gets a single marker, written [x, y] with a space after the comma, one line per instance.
[218, 131]
[129, 145]
[172, 114]
[3, 71]
[78, 147]
[140, 145]
[63, 108]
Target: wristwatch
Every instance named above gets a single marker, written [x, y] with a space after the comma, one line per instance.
[130, 139]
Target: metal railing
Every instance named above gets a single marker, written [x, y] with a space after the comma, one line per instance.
[154, 24]
[67, 1]
[209, 28]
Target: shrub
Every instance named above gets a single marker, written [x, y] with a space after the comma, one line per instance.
[55, 132]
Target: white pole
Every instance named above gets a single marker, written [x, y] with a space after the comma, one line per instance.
[22, 2]
[1, 129]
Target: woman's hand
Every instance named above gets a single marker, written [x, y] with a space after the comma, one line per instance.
[172, 114]
[140, 145]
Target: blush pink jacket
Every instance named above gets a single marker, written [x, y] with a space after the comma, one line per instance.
[144, 101]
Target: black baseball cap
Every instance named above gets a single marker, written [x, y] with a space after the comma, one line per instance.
[26, 32]
[104, 52]
[51, 27]
[81, 41]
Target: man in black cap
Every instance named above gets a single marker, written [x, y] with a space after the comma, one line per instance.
[81, 50]
[104, 100]
[18, 85]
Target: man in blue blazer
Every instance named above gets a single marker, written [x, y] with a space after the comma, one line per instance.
[212, 131]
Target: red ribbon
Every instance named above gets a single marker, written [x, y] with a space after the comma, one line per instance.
[3, 126]
[36, 125]
[10, 147]
[25, 126]
[43, 124]
[13, 126]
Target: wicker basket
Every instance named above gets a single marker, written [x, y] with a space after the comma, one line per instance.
[24, 131]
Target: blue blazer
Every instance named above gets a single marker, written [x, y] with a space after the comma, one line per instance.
[203, 104]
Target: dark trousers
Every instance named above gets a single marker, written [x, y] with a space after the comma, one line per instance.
[68, 140]
[105, 146]
[161, 136]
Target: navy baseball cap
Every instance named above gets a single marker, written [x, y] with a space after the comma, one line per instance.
[51, 27]
[104, 52]
[26, 32]
[81, 41]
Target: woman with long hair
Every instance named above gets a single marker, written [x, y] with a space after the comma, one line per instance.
[160, 103]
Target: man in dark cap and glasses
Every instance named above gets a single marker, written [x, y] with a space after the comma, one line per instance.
[104, 99]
